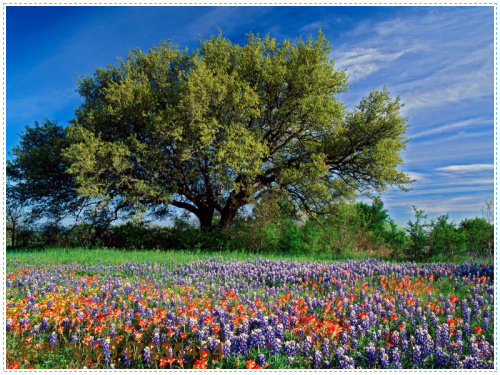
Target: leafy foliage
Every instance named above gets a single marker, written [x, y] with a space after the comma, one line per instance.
[479, 235]
[38, 175]
[417, 231]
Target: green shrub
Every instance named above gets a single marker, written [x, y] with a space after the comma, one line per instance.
[479, 236]
[444, 237]
[395, 237]
[374, 218]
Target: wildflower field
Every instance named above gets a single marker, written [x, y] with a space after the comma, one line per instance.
[224, 313]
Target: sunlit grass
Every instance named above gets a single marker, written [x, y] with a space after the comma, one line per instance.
[114, 256]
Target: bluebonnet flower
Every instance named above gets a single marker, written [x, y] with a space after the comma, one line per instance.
[405, 347]
[276, 348]
[9, 324]
[317, 358]
[261, 360]
[280, 331]
[326, 348]
[485, 349]
[269, 335]
[147, 356]
[53, 338]
[306, 346]
[112, 330]
[226, 348]
[396, 359]
[371, 354]
[395, 338]
[242, 344]
[257, 339]
[106, 351]
[441, 358]
[486, 324]
[416, 357]
[384, 359]
[347, 363]
[291, 348]
[343, 338]
[45, 325]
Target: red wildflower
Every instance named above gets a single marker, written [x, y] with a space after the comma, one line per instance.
[200, 364]
[15, 365]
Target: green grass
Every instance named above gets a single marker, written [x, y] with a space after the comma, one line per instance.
[112, 256]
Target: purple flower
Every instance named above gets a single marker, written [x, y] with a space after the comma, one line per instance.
[416, 357]
[326, 348]
[276, 347]
[371, 354]
[261, 360]
[396, 359]
[147, 356]
[317, 358]
[306, 346]
[53, 338]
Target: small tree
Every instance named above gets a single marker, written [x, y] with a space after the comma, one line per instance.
[488, 209]
[38, 180]
[37, 174]
[14, 218]
[418, 233]
[375, 217]
[345, 222]
[443, 236]
[479, 235]
[395, 237]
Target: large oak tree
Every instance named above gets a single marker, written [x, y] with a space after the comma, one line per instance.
[215, 129]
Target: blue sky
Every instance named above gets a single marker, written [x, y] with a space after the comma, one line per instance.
[439, 60]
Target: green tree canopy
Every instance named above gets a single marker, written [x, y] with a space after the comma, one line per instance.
[39, 185]
[37, 176]
[214, 129]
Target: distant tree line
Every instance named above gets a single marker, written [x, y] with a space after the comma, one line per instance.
[272, 227]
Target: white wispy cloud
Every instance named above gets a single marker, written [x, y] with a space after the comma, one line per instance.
[438, 205]
[467, 168]
[454, 126]
[312, 26]
[362, 62]
[418, 177]
[429, 58]
[447, 87]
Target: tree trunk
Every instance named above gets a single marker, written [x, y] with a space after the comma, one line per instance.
[227, 216]
[205, 216]
[13, 235]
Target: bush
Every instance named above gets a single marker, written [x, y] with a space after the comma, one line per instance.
[374, 218]
[478, 236]
[444, 237]
[395, 237]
